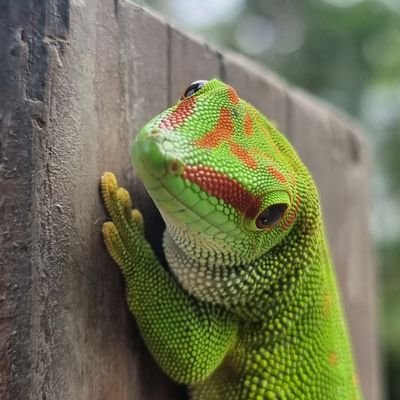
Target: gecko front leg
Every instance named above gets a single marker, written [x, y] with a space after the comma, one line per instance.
[175, 326]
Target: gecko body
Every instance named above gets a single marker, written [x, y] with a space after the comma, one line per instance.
[248, 308]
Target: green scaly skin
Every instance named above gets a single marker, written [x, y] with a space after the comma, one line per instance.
[248, 308]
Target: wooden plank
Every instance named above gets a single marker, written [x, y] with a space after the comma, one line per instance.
[23, 78]
[81, 332]
[16, 203]
[189, 60]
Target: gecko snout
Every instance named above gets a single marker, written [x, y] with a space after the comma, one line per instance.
[156, 153]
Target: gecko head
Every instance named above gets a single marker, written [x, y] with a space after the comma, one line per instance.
[221, 175]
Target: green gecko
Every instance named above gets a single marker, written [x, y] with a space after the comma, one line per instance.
[248, 306]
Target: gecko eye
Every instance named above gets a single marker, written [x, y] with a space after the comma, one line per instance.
[193, 88]
[271, 216]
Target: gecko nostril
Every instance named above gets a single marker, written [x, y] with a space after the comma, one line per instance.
[175, 167]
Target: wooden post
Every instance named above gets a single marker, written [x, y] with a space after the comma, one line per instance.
[77, 81]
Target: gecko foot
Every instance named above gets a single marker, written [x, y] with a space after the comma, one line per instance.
[124, 233]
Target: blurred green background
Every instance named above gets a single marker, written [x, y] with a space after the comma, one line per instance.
[348, 53]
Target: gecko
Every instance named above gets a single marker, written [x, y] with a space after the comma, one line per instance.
[247, 307]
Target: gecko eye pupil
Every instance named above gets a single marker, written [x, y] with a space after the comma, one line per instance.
[193, 88]
[271, 216]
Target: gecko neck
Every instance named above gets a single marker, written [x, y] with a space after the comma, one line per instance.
[296, 269]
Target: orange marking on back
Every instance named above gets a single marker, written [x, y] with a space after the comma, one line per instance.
[277, 174]
[248, 124]
[222, 131]
[232, 95]
[243, 155]
[333, 358]
[327, 304]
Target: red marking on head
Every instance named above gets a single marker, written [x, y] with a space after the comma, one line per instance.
[232, 95]
[243, 155]
[222, 131]
[277, 174]
[178, 116]
[248, 124]
[254, 209]
[224, 188]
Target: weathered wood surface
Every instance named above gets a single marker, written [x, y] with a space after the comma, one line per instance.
[77, 80]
